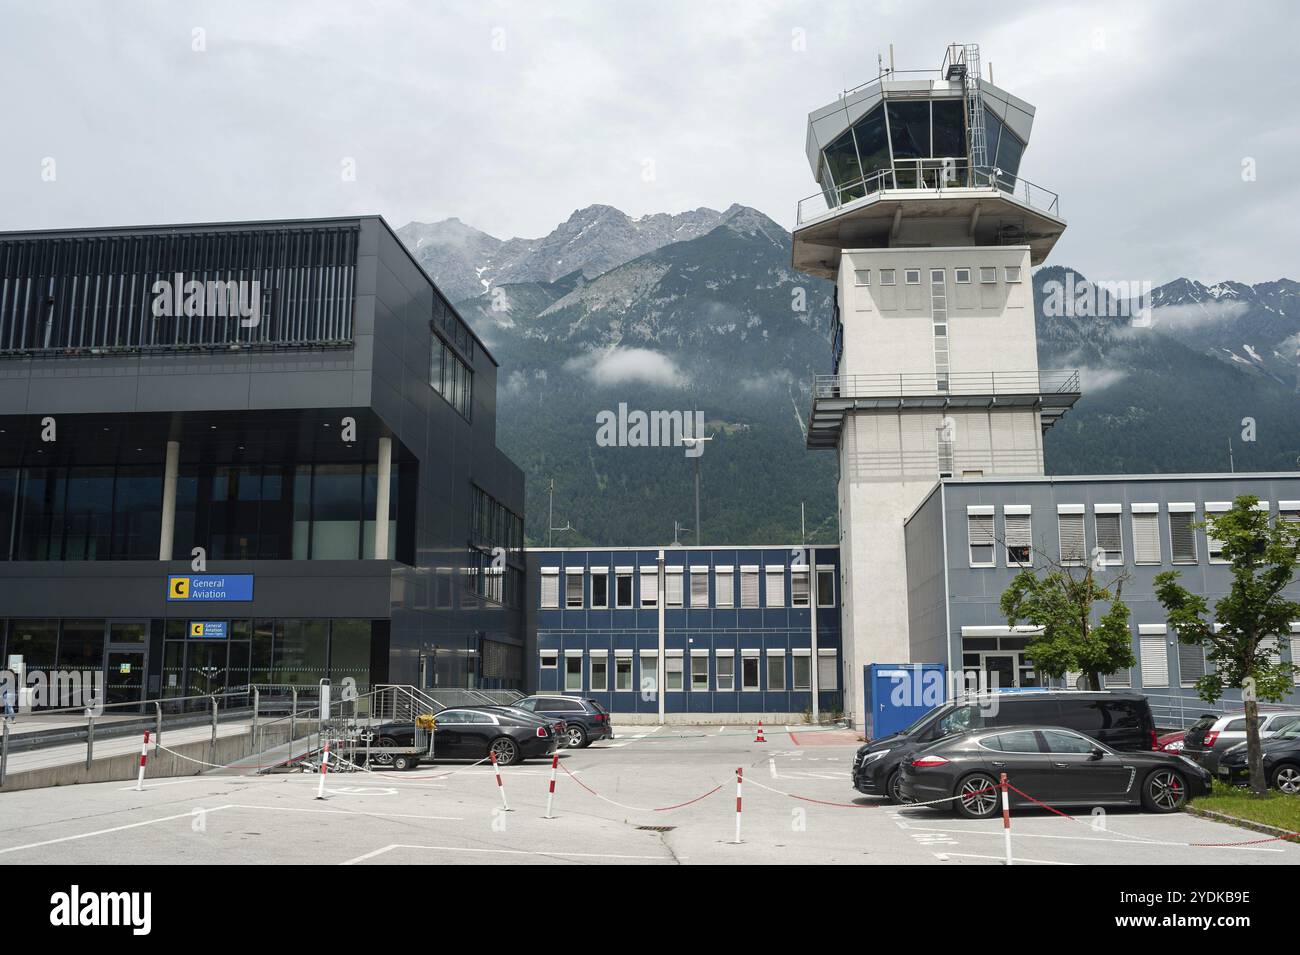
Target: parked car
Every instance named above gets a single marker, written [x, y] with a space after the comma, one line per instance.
[474, 732]
[1213, 735]
[558, 727]
[1171, 742]
[1121, 720]
[585, 719]
[1281, 757]
[1055, 765]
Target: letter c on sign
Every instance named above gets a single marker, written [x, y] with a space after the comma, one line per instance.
[180, 587]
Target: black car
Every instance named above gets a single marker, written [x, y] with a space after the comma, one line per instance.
[1054, 765]
[1281, 757]
[473, 732]
[1122, 721]
[585, 719]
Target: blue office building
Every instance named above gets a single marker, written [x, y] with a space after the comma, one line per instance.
[731, 633]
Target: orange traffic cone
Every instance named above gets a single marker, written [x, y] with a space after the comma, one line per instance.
[759, 737]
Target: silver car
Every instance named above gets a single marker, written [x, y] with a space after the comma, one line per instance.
[1212, 736]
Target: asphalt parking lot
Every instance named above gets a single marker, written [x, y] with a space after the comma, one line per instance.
[611, 807]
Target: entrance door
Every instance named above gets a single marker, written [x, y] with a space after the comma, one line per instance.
[205, 668]
[1000, 669]
[124, 681]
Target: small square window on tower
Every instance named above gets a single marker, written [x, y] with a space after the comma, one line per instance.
[862, 276]
[988, 274]
[912, 276]
[961, 276]
[1012, 273]
[886, 276]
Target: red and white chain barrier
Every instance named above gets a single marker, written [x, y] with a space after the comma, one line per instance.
[621, 805]
[324, 769]
[144, 756]
[740, 776]
[550, 795]
[1006, 816]
[500, 785]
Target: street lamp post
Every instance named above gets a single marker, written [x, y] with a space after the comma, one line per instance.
[690, 443]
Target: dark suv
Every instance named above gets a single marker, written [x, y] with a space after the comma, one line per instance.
[1122, 721]
[585, 720]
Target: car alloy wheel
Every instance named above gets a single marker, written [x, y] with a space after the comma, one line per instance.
[896, 788]
[1287, 779]
[383, 759]
[577, 736]
[1166, 790]
[505, 751]
[977, 796]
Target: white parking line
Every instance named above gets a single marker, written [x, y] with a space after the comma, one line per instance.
[1126, 840]
[513, 852]
[970, 855]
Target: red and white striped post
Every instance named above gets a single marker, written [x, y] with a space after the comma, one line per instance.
[500, 785]
[1006, 816]
[550, 796]
[144, 756]
[740, 774]
[324, 769]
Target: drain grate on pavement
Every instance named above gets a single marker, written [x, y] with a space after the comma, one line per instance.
[656, 828]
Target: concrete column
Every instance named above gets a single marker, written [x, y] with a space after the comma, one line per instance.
[812, 616]
[168, 529]
[381, 497]
[663, 648]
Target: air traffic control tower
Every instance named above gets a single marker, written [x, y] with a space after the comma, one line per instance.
[929, 233]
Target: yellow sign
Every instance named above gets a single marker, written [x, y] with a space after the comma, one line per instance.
[196, 629]
[178, 587]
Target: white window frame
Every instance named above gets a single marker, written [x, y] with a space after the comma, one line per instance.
[774, 596]
[603, 573]
[641, 674]
[1019, 517]
[724, 586]
[1011, 274]
[862, 277]
[1214, 546]
[828, 679]
[828, 569]
[988, 275]
[1145, 514]
[1153, 654]
[699, 579]
[983, 512]
[1295, 651]
[598, 657]
[770, 655]
[624, 656]
[551, 576]
[570, 573]
[750, 572]
[552, 655]
[630, 574]
[957, 276]
[700, 656]
[650, 574]
[1110, 512]
[674, 664]
[907, 276]
[1183, 507]
[758, 670]
[1074, 512]
[730, 657]
[674, 587]
[800, 576]
[796, 655]
[572, 655]
[887, 277]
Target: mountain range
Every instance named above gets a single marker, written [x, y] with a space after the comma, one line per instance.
[703, 311]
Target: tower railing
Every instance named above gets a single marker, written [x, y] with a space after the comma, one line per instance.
[935, 175]
[967, 383]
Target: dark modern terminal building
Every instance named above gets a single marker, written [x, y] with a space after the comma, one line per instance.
[297, 399]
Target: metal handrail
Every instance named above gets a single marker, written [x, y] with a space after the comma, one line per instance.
[1051, 381]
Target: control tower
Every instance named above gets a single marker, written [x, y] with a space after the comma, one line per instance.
[929, 233]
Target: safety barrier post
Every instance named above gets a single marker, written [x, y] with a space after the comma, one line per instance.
[212, 747]
[293, 717]
[144, 756]
[257, 699]
[500, 785]
[90, 737]
[157, 736]
[550, 795]
[4, 752]
[1006, 817]
[324, 769]
[740, 773]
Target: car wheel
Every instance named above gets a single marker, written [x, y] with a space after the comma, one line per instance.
[977, 796]
[383, 759]
[402, 762]
[1286, 778]
[577, 736]
[1165, 790]
[505, 749]
[894, 788]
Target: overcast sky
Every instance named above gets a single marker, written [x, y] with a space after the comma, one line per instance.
[511, 115]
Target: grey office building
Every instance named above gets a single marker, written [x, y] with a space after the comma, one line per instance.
[971, 536]
[297, 400]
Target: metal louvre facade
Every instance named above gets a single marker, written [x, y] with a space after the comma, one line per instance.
[102, 293]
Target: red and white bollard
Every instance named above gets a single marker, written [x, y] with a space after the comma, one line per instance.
[500, 785]
[740, 773]
[550, 796]
[144, 756]
[1006, 816]
[324, 769]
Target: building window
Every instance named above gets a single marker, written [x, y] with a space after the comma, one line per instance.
[802, 667]
[1120, 679]
[886, 276]
[1154, 658]
[599, 589]
[672, 673]
[988, 274]
[673, 587]
[912, 276]
[828, 672]
[1213, 546]
[1012, 273]
[550, 589]
[749, 672]
[1191, 663]
[1146, 534]
[1018, 535]
[573, 589]
[649, 673]
[623, 589]
[451, 378]
[749, 586]
[826, 586]
[572, 672]
[726, 672]
[799, 587]
[699, 672]
[649, 587]
[775, 672]
[549, 661]
[862, 276]
[979, 532]
[776, 586]
[1109, 535]
[961, 276]
[1074, 549]
[699, 587]
[622, 673]
[1182, 536]
[599, 672]
[724, 587]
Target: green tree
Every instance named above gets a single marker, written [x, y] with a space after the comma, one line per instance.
[1251, 618]
[1061, 602]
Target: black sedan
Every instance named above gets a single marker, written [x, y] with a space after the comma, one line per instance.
[1281, 756]
[474, 732]
[586, 720]
[1056, 766]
